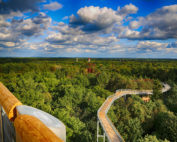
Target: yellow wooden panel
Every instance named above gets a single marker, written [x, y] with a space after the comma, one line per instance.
[30, 129]
[8, 101]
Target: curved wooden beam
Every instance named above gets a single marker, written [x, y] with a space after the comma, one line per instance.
[8, 101]
[30, 129]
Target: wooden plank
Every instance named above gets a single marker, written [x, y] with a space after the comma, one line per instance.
[8, 101]
[30, 129]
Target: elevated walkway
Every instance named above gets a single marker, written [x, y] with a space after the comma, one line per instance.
[20, 123]
[109, 129]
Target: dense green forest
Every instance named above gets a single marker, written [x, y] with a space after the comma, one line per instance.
[73, 92]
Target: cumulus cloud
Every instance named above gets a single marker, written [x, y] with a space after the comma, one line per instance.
[66, 29]
[13, 30]
[3, 22]
[58, 38]
[72, 39]
[96, 40]
[134, 24]
[66, 35]
[95, 18]
[84, 50]
[42, 18]
[14, 26]
[53, 6]
[84, 39]
[7, 44]
[92, 19]
[6, 35]
[126, 32]
[160, 24]
[31, 27]
[128, 9]
[151, 46]
[18, 5]
[92, 31]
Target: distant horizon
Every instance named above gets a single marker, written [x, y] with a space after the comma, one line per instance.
[94, 57]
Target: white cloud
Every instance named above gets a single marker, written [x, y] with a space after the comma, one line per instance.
[9, 44]
[14, 31]
[65, 18]
[58, 38]
[128, 9]
[92, 31]
[160, 24]
[151, 46]
[66, 35]
[53, 6]
[134, 24]
[31, 27]
[95, 18]
[5, 36]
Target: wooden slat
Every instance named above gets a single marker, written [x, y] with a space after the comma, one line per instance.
[107, 127]
[30, 129]
[8, 101]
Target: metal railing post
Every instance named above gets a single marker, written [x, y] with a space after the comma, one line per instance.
[104, 137]
[7, 129]
[97, 130]
[1, 125]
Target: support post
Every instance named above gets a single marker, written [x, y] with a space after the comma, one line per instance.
[97, 130]
[125, 98]
[104, 137]
[100, 135]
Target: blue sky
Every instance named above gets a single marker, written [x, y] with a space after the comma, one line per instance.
[88, 28]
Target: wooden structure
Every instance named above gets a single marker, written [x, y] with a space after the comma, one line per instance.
[27, 128]
[31, 129]
[8, 101]
[146, 99]
[91, 68]
[109, 129]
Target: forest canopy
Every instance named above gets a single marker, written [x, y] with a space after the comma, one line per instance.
[73, 92]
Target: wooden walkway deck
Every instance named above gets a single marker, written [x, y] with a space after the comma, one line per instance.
[109, 129]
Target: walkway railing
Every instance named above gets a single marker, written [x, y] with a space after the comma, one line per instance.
[22, 123]
[109, 129]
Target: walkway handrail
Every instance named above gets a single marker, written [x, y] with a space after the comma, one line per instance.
[30, 129]
[109, 128]
[27, 128]
[8, 101]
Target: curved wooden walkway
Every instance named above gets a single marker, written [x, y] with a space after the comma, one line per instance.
[108, 127]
